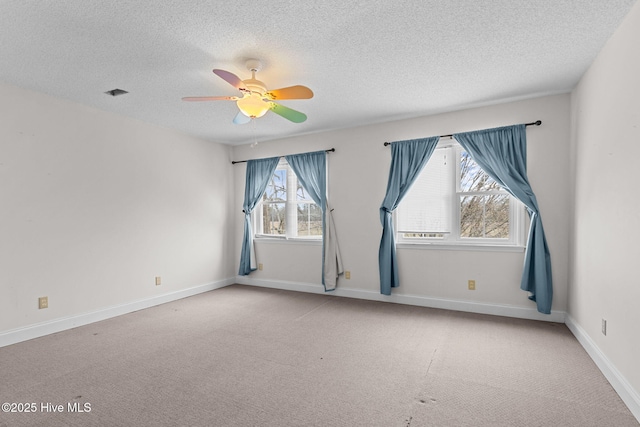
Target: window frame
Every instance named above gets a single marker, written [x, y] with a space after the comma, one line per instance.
[452, 240]
[291, 219]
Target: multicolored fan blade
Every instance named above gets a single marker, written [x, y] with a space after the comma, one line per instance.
[231, 78]
[291, 92]
[287, 113]
[241, 119]
[210, 98]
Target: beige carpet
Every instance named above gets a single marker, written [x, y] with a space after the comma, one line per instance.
[243, 356]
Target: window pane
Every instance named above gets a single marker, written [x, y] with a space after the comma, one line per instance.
[497, 216]
[277, 187]
[273, 217]
[472, 177]
[309, 219]
[484, 216]
[471, 216]
[301, 194]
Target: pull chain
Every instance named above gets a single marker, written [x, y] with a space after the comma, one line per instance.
[255, 135]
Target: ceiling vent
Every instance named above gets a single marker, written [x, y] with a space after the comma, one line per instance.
[116, 92]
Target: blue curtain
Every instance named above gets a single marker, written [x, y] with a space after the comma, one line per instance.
[407, 160]
[259, 173]
[502, 153]
[311, 170]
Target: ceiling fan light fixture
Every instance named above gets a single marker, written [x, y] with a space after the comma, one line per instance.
[252, 105]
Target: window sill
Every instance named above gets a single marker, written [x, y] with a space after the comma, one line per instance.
[287, 241]
[461, 247]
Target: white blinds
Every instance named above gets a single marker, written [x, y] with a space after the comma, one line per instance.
[426, 207]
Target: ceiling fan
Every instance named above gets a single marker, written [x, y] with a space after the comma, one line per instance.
[255, 99]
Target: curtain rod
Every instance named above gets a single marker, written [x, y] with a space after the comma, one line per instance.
[233, 162]
[536, 123]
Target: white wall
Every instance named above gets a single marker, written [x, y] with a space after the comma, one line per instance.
[605, 151]
[93, 206]
[358, 173]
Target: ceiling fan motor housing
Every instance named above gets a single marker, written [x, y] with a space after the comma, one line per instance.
[255, 86]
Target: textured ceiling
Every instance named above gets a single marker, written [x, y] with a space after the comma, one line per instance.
[366, 61]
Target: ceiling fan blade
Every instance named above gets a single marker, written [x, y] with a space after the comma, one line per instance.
[288, 113]
[231, 78]
[210, 98]
[291, 92]
[241, 119]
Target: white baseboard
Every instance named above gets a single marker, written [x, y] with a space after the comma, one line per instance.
[447, 304]
[61, 324]
[626, 392]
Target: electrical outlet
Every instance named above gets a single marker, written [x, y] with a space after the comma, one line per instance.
[604, 327]
[158, 281]
[259, 266]
[472, 285]
[347, 275]
[43, 302]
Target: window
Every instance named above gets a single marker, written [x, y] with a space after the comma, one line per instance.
[454, 201]
[286, 210]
